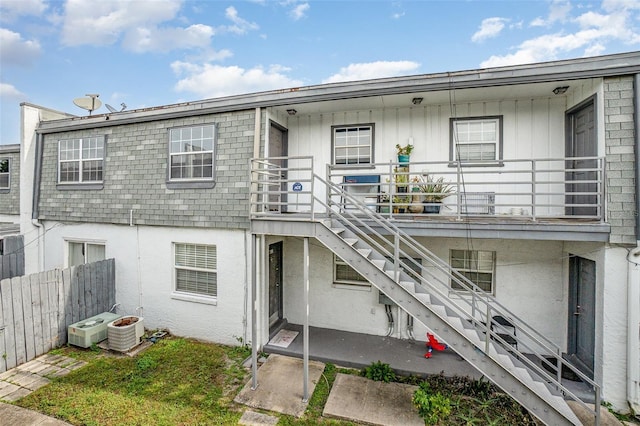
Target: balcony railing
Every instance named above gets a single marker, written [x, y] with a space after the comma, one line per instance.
[557, 188]
[563, 188]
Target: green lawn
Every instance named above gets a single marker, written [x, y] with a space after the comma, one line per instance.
[186, 382]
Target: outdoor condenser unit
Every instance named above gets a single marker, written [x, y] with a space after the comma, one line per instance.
[91, 330]
[125, 333]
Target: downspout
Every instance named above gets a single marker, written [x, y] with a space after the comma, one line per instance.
[633, 280]
[35, 201]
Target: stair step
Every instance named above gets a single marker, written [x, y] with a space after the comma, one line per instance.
[379, 263]
[337, 231]
[351, 241]
[407, 285]
[365, 252]
[425, 298]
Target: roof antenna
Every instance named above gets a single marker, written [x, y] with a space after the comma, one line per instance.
[90, 103]
[110, 108]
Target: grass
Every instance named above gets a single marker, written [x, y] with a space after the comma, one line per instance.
[186, 382]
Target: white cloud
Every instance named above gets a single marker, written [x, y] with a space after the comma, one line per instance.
[594, 31]
[211, 81]
[9, 91]
[135, 22]
[489, 28]
[14, 50]
[299, 11]
[166, 39]
[11, 9]
[379, 69]
[558, 12]
[240, 25]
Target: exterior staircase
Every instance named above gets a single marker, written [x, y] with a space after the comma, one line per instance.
[384, 254]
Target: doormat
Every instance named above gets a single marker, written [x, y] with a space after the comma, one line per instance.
[283, 338]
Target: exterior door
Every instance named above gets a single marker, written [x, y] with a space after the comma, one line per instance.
[582, 189]
[582, 312]
[277, 149]
[275, 283]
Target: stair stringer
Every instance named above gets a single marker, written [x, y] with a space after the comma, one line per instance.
[467, 342]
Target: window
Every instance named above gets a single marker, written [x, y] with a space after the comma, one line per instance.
[83, 252]
[352, 145]
[81, 160]
[191, 152]
[345, 274]
[196, 269]
[476, 139]
[4, 173]
[477, 266]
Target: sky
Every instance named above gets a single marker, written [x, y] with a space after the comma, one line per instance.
[145, 53]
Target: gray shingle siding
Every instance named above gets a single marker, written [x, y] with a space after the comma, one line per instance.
[135, 177]
[620, 151]
[10, 199]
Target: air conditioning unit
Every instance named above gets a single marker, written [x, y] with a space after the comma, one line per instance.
[125, 333]
[478, 203]
[91, 330]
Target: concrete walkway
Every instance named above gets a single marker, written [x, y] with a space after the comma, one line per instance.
[26, 378]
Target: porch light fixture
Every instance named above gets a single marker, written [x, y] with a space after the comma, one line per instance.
[416, 101]
[560, 90]
[292, 111]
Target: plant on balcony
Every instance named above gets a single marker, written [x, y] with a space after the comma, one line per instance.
[433, 191]
[404, 152]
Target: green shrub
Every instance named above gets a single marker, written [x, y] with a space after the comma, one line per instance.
[432, 407]
[379, 372]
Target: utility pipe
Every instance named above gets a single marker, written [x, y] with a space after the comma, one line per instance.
[633, 280]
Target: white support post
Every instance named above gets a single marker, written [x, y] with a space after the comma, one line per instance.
[305, 331]
[254, 315]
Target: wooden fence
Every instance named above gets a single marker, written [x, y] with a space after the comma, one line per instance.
[35, 310]
[12, 259]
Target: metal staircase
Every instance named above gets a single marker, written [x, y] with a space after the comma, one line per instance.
[384, 254]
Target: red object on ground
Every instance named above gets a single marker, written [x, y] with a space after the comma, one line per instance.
[433, 344]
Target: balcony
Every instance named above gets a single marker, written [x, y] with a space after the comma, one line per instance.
[551, 199]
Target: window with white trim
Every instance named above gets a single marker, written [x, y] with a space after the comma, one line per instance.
[191, 152]
[343, 273]
[475, 140]
[81, 252]
[476, 265]
[81, 160]
[196, 269]
[5, 170]
[352, 145]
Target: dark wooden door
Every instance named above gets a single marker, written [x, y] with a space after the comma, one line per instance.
[277, 150]
[582, 175]
[582, 311]
[275, 282]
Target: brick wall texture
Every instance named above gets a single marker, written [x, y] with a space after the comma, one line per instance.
[10, 200]
[620, 158]
[135, 177]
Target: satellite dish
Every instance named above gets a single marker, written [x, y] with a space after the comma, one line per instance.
[90, 103]
[110, 108]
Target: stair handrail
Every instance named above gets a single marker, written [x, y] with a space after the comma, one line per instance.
[491, 302]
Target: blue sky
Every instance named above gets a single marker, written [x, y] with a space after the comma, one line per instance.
[154, 52]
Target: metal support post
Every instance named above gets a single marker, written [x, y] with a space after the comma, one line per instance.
[305, 331]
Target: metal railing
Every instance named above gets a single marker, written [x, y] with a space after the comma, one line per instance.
[569, 188]
[277, 186]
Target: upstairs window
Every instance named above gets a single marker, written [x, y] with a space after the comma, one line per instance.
[81, 160]
[476, 140]
[352, 145]
[191, 151]
[4, 173]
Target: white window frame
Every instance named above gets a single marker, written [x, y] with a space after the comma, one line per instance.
[7, 173]
[189, 265]
[473, 266]
[352, 143]
[476, 137]
[337, 261]
[186, 143]
[85, 155]
[85, 250]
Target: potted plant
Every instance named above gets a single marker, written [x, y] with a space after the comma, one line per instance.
[433, 191]
[384, 203]
[404, 152]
